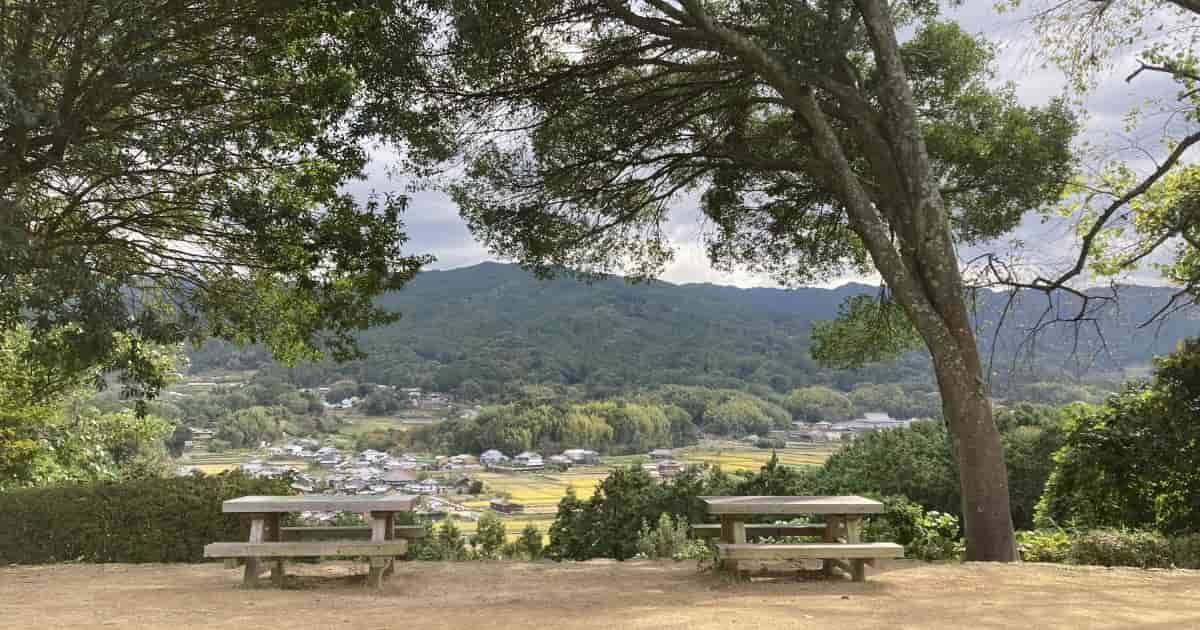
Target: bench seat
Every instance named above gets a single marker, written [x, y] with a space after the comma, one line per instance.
[304, 549]
[762, 531]
[832, 555]
[815, 551]
[352, 532]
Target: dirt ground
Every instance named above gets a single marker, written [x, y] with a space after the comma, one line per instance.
[599, 594]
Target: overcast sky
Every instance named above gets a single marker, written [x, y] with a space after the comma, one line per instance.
[435, 227]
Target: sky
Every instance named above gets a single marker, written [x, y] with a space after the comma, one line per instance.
[435, 227]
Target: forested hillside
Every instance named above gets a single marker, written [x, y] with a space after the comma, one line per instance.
[483, 332]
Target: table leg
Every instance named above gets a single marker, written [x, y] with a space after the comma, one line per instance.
[277, 573]
[853, 535]
[379, 522]
[832, 524]
[733, 531]
[257, 526]
[390, 531]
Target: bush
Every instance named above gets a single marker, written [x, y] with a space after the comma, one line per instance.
[489, 538]
[1044, 545]
[900, 522]
[1133, 463]
[148, 520]
[1185, 551]
[530, 543]
[666, 540]
[938, 537]
[1121, 548]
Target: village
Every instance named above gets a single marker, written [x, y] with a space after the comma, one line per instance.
[463, 485]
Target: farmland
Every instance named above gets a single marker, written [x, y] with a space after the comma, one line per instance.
[541, 492]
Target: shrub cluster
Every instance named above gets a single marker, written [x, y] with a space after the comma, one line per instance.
[147, 520]
[1111, 548]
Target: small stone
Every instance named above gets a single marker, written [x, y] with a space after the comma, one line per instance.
[845, 597]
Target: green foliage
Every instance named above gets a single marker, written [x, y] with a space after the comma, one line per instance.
[518, 338]
[915, 462]
[1185, 551]
[819, 404]
[668, 539]
[529, 544]
[146, 520]
[866, 330]
[900, 522]
[123, 228]
[445, 543]
[938, 536]
[490, 537]
[1044, 545]
[1121, 548]
[1135, 461]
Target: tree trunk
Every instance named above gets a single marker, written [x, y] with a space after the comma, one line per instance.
[983, 476]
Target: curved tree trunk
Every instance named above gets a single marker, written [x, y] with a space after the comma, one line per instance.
[983, 476]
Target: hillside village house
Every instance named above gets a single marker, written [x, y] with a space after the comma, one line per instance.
[529, 459]
[492, 457]
[581, 456]
[504, 506]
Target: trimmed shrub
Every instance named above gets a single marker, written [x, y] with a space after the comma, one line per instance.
[1044, 545]
[148, 520]
[1185, 551]
[668, 539]
[1120, 548]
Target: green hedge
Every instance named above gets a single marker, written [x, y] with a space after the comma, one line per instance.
[1111, 548]
[151, 520]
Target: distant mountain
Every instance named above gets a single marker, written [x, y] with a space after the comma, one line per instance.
[480, 331]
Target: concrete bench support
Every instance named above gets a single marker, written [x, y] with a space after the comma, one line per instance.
[834, 554]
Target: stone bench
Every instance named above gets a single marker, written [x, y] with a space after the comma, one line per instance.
[704, 531]
[381, 555]
[859, 554]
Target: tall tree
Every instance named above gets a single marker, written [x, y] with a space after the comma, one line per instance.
[821, 142]
[172, 170]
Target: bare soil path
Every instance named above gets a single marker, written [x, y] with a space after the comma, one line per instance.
[600, 594]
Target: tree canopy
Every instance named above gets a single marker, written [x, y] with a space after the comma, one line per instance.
[171, 171]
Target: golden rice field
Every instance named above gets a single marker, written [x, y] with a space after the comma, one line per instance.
[742, 458]
[540, 493]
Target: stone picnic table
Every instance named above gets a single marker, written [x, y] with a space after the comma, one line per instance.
[381, 540]
[841, 546]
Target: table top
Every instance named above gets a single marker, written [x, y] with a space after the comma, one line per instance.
[792, 505]
[321, 503]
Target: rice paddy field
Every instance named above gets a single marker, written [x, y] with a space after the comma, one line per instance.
[541, 492]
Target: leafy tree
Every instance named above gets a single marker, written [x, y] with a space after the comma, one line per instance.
[1134, 461]
[382, 402]
[490, 537]
[530, 542]
[46, 434]
[341, 390]
[1124, 215]
[169, 174]
[887, 398]
[821, 141]
[450, 540]
[816, 404]
[915, 462]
